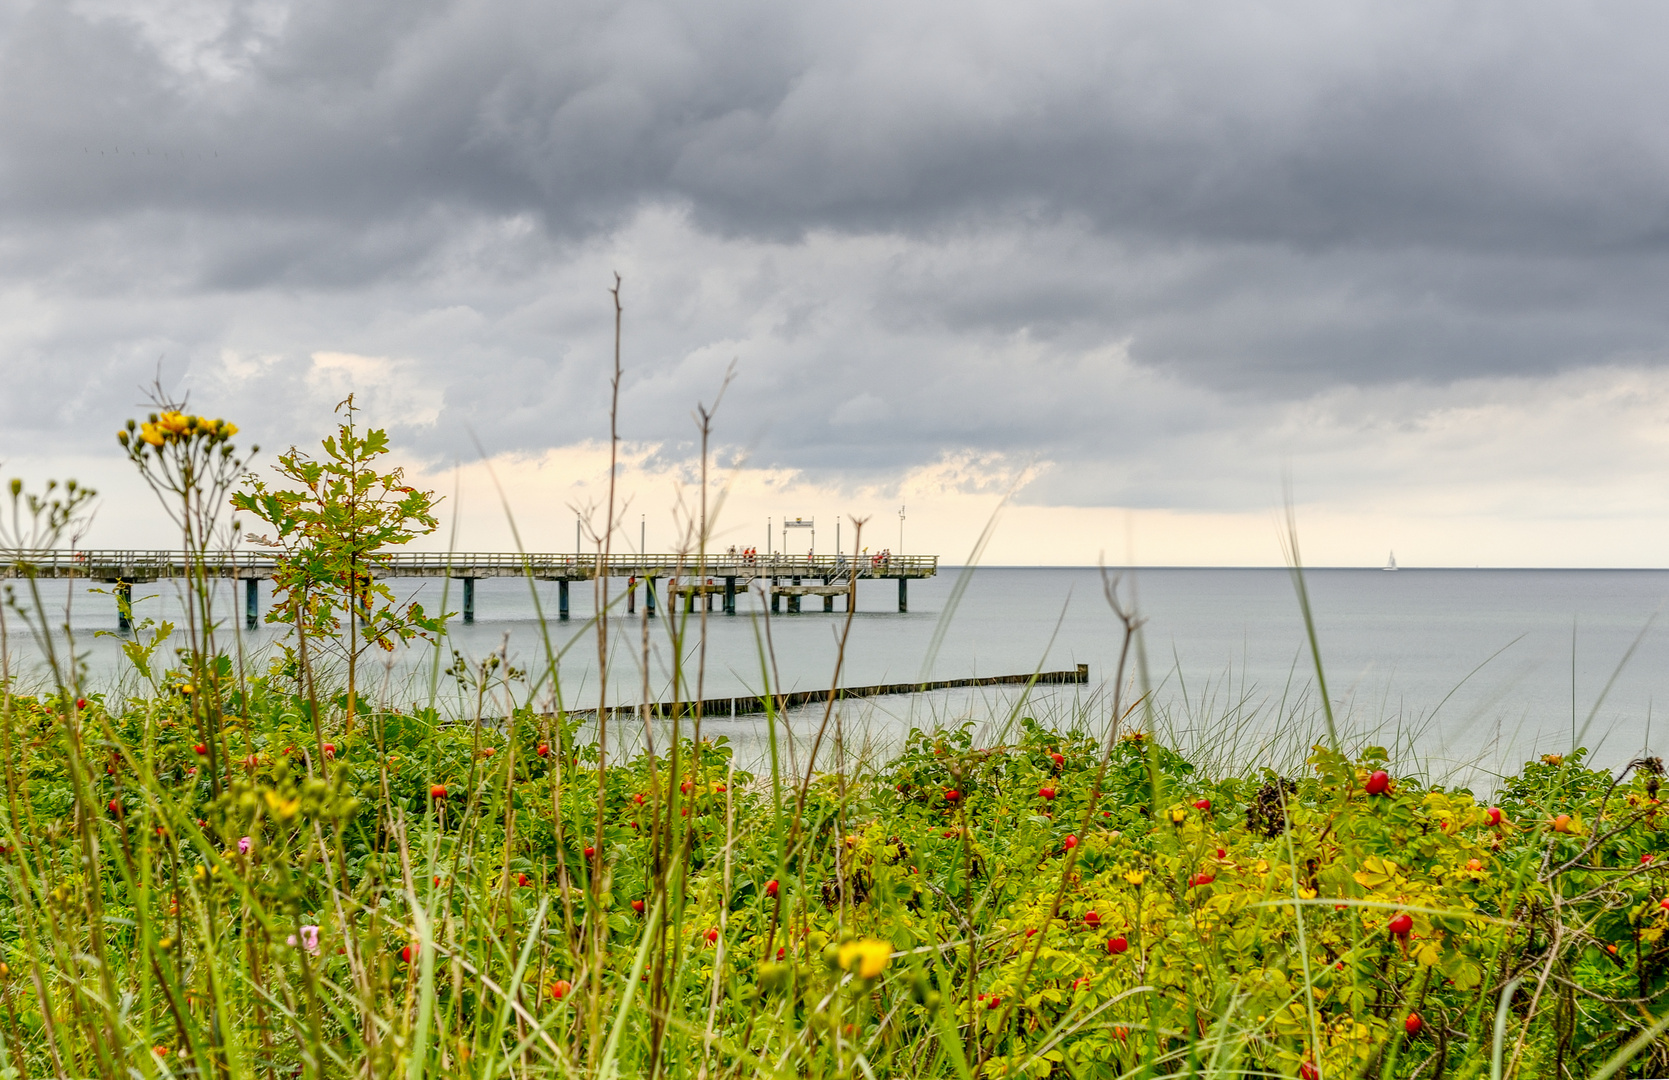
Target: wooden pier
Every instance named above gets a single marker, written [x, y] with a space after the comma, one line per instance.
[740, 706]
[689, 577]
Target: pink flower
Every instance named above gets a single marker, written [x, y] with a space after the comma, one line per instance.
[244, 844]
[309, 939]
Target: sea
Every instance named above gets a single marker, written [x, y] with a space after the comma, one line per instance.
[1461, 674]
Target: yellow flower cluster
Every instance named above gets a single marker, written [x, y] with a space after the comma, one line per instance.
[865, 957]
[176, 427]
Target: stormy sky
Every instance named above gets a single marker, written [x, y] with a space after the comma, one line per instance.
[1142, 259]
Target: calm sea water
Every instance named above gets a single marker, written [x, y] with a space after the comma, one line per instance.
[1460, 669]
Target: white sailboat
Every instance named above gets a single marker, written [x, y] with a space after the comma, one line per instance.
[1390, 563]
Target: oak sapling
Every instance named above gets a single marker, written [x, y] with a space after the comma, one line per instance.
[333, 527]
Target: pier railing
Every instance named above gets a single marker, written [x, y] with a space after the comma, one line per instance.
[137, 565]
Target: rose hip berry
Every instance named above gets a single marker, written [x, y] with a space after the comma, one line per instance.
[1117, 945]
[1379, 783]
[1413, 1024]
[1401, 925]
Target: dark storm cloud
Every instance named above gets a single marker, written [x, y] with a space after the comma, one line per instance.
[1260, 201]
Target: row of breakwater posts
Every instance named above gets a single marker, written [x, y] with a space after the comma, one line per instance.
[758, 703]
[689, 578]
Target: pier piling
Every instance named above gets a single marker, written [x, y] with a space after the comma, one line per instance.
[469, 600]
[649, 598]
[124, 606]
[631, 596]
[903, 594]
[251, 603]
[730, 596]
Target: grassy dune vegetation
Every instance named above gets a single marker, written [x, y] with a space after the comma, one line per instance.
[246, 869]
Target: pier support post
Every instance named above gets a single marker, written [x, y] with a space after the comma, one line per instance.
[689, 599]
[251, 600]
[794, 599]
[124, 606]
[562, 600]
[776, 598]
[707, 591]
[649, 598]
[469, 600]
[631, 595]
[903, 594]
[730, 596]
[828, 598]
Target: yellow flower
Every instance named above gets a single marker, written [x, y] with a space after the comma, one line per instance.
[1178, 815]
[228, 430]
[867, 957]
[174, 423]
[1135, 877]
[151, 434]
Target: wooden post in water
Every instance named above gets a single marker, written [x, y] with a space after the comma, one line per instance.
[649, 598]
[776, 598]
[250, 603]
[124, 606]
[794, 599]
[469, 600]
[730, 596]
[631, 595]
[903, 594]
[562, 600]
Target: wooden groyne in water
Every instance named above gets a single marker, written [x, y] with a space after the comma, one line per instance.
[757, 703]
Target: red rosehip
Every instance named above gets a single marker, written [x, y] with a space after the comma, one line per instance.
[952, 795]
[712, 935]
[1092, 918]
[1221, 854]
[638, 798]
[1060, 762]
[1413, 1024]
[1401, 925]
[437, 792]
[993, 1001]
[521, 879]
[1046, 793]
[771, 887]
[408, 954]
[590, 851]
[1664, 903]
[1070, 842]
[1646, 859]
[543, 750]
[1307, 1071]
[81, 703]
[1379, 783]
[1495, 816]
[200, 749]
[116, 807]
[685, 787]
[330, 749]
[637, 906]
[1202, 804]
[560, 989]
[1118, 944]
[1201, 878]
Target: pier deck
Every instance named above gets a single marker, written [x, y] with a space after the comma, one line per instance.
[720, 574]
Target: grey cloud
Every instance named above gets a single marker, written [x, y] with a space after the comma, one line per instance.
[916, 227]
